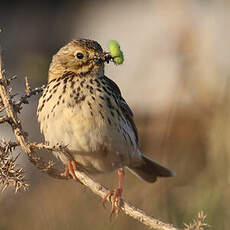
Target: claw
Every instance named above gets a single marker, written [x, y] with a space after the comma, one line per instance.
[109, 194]
[70, 169]
[115, 196]
[116, 202]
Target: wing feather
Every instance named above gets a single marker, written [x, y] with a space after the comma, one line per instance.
[126, 111]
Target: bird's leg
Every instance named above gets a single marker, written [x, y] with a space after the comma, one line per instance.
[71, 166]
[116, 194]
[70, 169]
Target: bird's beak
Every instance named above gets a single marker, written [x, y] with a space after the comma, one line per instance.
[104, 57]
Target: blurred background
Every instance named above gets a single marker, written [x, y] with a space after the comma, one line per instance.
[176, 80]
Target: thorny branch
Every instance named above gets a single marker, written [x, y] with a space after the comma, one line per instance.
[199, 223]
[10, 175]
[4, 119]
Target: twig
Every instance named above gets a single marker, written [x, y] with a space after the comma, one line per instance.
[24, 99]
[47, 147]
[9, 173]
[10, 80]
[127, 208]
[4, 119]
[47, 167]
[20, 134]
[28, 89]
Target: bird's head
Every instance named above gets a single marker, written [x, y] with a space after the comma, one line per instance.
[79, 56]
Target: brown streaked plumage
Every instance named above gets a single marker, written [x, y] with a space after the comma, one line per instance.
[84, 110]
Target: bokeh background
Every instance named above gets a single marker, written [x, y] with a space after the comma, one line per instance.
[176, 80]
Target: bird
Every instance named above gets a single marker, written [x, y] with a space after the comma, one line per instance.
[83, 110]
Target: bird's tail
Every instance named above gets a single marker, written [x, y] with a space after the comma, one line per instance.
[149, 170]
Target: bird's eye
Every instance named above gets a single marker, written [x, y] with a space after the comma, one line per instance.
[79, 55]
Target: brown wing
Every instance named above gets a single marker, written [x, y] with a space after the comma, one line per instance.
[127, 112]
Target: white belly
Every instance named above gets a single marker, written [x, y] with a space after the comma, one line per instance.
[95, 144]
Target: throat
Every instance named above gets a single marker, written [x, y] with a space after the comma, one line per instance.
[83, 71]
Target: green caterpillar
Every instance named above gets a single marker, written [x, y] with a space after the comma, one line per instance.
[115, 52]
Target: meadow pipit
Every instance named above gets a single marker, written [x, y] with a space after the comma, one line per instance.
[84, 110]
